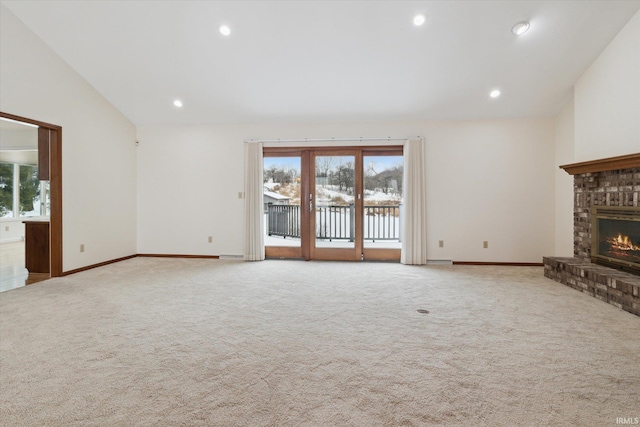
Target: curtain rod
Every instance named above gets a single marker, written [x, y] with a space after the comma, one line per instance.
[360, 139]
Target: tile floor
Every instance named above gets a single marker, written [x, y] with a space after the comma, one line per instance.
[13, 273]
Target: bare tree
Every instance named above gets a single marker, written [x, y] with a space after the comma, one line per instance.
[323, 165]
[344, 177]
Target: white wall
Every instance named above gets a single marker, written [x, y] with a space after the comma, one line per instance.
[490, 180]
[564, 182]
[188, 184]
[607, 99]
[98, 145]
[487, 180]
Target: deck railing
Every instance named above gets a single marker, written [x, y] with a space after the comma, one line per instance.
[336, 222]
[283, 220]
[382, 223]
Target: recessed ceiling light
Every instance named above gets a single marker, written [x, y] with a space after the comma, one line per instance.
[177, 103]
[225, 30]
[520, 28]
[494, 93]
[419, 20]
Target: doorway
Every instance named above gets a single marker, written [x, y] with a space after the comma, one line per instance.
[327, 203]
[50, 164]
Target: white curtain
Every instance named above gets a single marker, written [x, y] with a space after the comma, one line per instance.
[253, 203]
[414, 218]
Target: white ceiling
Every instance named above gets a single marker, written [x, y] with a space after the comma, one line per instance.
[327, 61]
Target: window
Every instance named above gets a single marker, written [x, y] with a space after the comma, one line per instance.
[21, 193]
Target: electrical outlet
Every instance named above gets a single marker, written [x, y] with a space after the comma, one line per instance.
[210, 239]
[441, 243]
[82, 247]
[240, 195]
[6, 228]
[485, 244]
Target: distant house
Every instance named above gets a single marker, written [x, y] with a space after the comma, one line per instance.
[275, 199]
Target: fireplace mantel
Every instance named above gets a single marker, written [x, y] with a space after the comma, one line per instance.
[602, 165]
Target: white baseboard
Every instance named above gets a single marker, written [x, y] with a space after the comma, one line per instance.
[231, 257]
[440, 261]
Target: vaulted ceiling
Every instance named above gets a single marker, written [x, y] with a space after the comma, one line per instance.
[327, 61]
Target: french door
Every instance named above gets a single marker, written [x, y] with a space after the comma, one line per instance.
[333, 203]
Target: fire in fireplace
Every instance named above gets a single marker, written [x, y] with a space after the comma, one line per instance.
[615, 237]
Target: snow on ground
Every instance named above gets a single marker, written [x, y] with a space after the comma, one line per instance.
[329, 195]
[380, 197]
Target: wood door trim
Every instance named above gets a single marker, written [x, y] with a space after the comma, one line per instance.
[358, 199]
[55, 197]
[44, 137]
[336, 254]
[381, 254]
[385, 151]
[55, 186]
[393, 149]
[311, 202]
[305, 188]
[288, 252]
[30, 121]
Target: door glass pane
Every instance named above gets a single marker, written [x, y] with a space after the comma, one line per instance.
[281, 197]
[382, 201]
[335, 179]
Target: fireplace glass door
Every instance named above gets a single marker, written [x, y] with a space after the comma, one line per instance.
[619, 239]
[616, 237]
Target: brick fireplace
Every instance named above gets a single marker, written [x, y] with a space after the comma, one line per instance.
[612, 182]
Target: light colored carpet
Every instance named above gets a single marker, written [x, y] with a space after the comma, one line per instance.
[183, 342]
